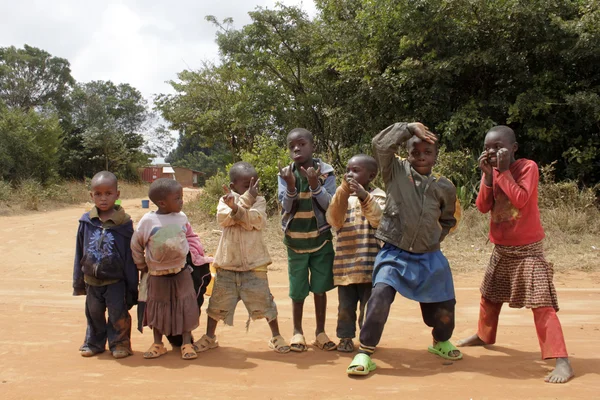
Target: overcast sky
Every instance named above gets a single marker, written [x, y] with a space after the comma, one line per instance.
[140, 42]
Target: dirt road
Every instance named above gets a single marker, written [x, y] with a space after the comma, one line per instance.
[42, 326]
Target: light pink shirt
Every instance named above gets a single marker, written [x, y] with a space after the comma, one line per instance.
[160, 241]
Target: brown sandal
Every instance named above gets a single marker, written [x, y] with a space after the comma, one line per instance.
[155, 351]
[322, 341]
[188, 352]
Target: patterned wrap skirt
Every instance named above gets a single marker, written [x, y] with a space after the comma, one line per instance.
[520, 276]
[171, 306]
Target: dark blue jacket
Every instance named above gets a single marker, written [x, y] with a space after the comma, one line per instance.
[104, 253]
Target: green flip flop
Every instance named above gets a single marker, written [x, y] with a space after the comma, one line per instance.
[361, 360]
[443, 350]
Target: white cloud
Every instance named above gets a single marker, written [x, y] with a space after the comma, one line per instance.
[140, 42]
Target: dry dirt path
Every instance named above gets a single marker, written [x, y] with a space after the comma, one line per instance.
[42, 326]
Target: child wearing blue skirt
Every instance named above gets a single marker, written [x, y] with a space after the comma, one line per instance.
[419, 213]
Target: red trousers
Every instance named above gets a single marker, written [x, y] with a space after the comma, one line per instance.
[547, 325]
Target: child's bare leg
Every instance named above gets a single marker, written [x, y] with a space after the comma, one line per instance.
[298, 343]
[298, 311]
[211, 327]
[320, 311]
[322, 342]
[274, 325]
[157, 336]
[562, 371]
[187, 337]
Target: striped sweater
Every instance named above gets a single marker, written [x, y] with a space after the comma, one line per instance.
[355, 223]
[303, 234]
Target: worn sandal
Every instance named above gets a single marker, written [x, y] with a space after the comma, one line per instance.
[363, 361]
[322, 341]
[444, 350]
[346, 345]
[279, 345]
[205, 343]
[298, 343]
[155, 351]
[188, 352]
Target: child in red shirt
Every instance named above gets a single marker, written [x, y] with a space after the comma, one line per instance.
[518, 273]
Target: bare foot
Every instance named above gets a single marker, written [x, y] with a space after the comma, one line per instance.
[561, 373]
[471, 341]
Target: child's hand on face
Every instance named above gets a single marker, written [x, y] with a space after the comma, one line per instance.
[312, 175]
[422, 132]
[357, 189]
[484, 163]
[253, 189]
[229, 199]
[486, 168]
[503, 160]
[288, 176]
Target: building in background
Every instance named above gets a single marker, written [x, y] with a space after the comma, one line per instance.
[161, 169]
[188, 177]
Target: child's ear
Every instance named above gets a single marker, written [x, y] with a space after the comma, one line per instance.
[515, 147]
[92, 195]
[231, 186]
[372, 176]
[118, 194]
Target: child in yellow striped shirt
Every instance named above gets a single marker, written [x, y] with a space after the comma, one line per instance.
[354, 214]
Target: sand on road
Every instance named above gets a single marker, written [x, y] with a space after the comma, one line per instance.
[42, 326]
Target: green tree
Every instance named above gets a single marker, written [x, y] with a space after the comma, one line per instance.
[29, 143]
[107, 124]
[31, 77]
[460, 66]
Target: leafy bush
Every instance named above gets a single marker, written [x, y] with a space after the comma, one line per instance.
[461, 168]
[265, 156]
[565, 194]
[207, 202]
[31, 193]
[29, 143]
[5, 190]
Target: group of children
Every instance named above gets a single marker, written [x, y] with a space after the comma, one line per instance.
[387, 242]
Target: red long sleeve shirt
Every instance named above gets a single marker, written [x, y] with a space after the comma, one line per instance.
[513, 202]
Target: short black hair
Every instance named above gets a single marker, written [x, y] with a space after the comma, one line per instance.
[161, 188]
[303, 132]
[241, 168]
[367, 161]
[506, 132]
[104, 176]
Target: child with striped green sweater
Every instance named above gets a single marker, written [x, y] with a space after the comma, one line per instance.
[305, 188]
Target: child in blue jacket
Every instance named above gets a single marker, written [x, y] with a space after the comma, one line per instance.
[104, 270]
